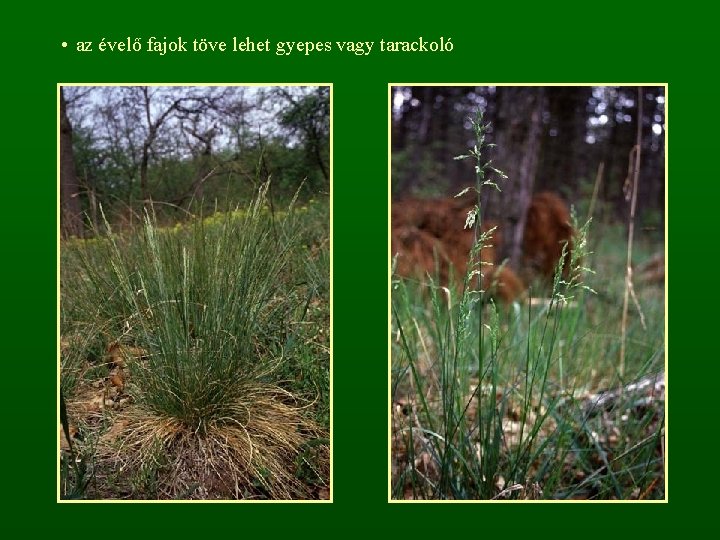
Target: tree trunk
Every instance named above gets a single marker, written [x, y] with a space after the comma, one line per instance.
[70, 208]
[144, 162]
[419, 148]
[564, 158]
[519, 129]
[315, 142]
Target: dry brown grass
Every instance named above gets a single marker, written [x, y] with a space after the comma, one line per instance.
[547, 230]
[429, 237]
[255, 453]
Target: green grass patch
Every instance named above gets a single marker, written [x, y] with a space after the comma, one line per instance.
[209, 342]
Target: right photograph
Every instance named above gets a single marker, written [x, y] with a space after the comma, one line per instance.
[528, 324]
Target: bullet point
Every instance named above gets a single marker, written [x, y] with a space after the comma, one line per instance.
[64, 44]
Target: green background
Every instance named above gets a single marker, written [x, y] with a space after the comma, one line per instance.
[628, 43]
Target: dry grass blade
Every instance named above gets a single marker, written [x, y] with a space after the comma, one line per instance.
[252, 454]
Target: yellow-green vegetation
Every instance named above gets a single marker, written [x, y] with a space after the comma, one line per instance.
[195, 358]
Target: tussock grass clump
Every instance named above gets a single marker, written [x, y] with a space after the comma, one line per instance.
[248, 454]
[211, 307]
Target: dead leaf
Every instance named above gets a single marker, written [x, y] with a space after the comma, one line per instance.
[117, 379]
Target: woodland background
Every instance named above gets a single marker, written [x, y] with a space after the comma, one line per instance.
[186, 148]
[564, 139]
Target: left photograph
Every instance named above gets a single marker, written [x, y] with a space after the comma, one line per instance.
[194, 292]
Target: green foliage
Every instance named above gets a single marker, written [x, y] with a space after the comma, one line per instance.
[224, 308]
[308, 119]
